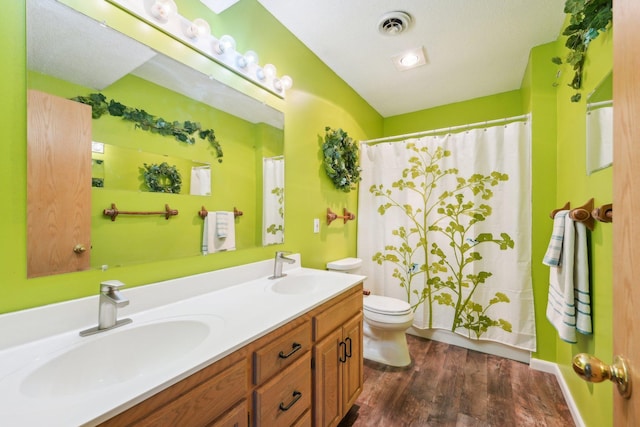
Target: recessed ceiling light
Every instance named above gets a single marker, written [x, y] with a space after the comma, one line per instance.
[409, 59]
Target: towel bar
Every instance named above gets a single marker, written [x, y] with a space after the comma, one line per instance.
[583, 214]
[346, 216]
[114, 212]
[202, 213]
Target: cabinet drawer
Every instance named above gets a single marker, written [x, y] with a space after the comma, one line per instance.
[303, 421]
[280, 353]
[282, 400]
[335, 316]
[235, 417]
[204, 403]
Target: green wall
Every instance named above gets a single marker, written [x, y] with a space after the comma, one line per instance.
[595, 401]
[318, 99]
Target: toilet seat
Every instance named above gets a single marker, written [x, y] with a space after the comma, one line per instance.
[386, 306]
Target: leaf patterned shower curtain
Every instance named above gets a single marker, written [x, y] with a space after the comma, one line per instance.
[445, 224]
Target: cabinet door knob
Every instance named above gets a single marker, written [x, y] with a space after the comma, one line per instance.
[592, 369]
[79, 248]
[296, 396]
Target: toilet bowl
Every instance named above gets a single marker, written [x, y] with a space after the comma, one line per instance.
[386, 320]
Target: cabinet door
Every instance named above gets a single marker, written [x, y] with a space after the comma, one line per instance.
[328, 380]
[58, 185]
[353, 371]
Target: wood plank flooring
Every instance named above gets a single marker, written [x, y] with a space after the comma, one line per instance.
[451, 386]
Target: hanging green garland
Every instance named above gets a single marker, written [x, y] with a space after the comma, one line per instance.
[588, 19]
[182, 132]
[162, 178]
[341, 159]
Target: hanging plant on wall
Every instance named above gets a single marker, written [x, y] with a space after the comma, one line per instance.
[162, 178]
[588, 19]
[341, 159]
[181, 131]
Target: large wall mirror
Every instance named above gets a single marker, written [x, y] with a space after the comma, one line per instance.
[71, 55]
[600, 126]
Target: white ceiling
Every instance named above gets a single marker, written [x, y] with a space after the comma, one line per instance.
[473, 48]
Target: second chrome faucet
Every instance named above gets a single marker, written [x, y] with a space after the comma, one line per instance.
[277, 264]
[110, 300]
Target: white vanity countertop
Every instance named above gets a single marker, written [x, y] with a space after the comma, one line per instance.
[236, 313]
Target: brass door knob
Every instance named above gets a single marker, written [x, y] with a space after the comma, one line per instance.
[79, 248]
[592, 369]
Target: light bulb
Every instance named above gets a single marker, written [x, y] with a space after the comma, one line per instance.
[260, 74]
[163, 9]
[277, 84]
[409, 60]
[270, 71]
[287, 82]
[241, 61]
[251, 57]
[224, 44]
[198, 28]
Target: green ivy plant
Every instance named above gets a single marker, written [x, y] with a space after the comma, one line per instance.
[181, 131]
[162, 178]
[588, 19]
[340, 153]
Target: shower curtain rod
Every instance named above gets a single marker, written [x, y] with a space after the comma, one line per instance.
[523, 117]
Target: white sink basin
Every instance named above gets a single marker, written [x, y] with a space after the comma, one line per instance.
[117, 356]
[299, 284]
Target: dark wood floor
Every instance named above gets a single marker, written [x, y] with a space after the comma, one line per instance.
[451, 386]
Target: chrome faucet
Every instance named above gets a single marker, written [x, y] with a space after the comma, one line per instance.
[110, 300]
[277, 264]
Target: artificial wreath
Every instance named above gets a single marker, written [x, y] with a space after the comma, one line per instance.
[340, 153]
[162, 178]
[588, 19]
[181, 131]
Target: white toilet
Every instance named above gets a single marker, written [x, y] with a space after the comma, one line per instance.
[385, 322]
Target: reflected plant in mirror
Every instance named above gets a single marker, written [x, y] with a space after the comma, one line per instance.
[138, 89]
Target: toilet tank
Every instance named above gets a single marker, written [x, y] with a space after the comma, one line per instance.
[345, 265]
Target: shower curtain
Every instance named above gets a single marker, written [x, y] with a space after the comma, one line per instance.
[273, 200]
[445, 224]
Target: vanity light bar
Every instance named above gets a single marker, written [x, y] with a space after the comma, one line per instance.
[163, 15]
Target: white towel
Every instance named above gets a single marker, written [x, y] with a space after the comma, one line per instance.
[222, 225]
[210, 241]
[552, 257]
[200, 181]
[581, 281]
[568, 304]
[599, 139]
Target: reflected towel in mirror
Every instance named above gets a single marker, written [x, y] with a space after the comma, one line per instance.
[210, 240]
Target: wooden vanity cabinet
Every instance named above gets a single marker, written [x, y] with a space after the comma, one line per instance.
[338, 362]
[305, 373]
[199, 400]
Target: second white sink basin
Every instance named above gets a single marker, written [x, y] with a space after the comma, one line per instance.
[299, 284]
[118, 356]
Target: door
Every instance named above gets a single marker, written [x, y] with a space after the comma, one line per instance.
[58, 185]
[626, 201]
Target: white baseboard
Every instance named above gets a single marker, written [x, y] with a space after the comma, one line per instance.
[552, 368]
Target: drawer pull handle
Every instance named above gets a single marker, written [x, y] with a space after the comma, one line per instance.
[296, 396]
[343, 355]
[295, 347]
[348, 352]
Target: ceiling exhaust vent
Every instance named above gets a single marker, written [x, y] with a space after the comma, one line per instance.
[394, 23]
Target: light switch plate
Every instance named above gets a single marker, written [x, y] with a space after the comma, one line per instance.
[316, 225]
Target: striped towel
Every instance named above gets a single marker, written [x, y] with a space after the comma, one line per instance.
[553, 256]
[581, 281]
[568, 304]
